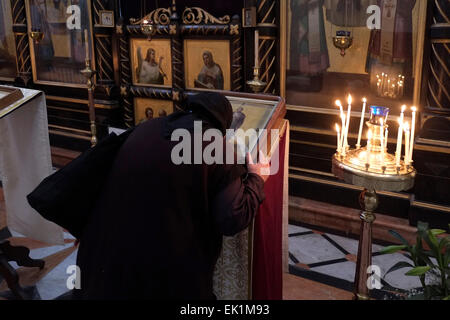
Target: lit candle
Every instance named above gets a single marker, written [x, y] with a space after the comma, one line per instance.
[343, 148]
[382, 141]
[369, 141]
[407, 134]
[86, 43]
[398, 153]
[386, 138]
[413, 132]
[256, 48]
[338, 130]
[361, 124]
[342, 115]
[349, 111]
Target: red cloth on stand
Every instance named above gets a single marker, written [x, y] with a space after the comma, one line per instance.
[267, 280]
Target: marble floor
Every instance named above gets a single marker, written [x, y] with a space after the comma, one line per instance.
[331, 259]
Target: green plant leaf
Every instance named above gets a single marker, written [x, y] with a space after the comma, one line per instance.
[437, 232]
[398, 266]
[446, 298]
[392, 249]
[418, 271]
[399, 237]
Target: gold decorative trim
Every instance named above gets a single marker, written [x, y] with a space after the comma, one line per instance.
[418, 68]
[80, 101]
[172, 29]
[234, 30]
[438, 7]
[346, 185]
[427, 205]
[197, 16]
[159, 16]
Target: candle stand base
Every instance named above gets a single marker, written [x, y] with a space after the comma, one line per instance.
[354, 170]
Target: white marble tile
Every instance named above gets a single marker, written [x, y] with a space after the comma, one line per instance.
[397, 279]
[313, 248]
[351, 245]
[296, 229]
[54, 283]
[344, 270]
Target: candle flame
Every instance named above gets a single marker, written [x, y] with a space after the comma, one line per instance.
[403, 108]
[350, 100]
[338, 103]
[406, 126]
[414, 109]
[364, 100]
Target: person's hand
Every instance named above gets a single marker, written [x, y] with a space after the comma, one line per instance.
[262, 168]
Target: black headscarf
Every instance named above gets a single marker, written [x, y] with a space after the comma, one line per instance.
[212, 107]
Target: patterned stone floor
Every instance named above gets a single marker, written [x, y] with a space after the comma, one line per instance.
[331, 259]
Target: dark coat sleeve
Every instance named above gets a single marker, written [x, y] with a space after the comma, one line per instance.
[236, 205]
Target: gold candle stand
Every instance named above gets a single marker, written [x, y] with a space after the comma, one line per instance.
[88, 73]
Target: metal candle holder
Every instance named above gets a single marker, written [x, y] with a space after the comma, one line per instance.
[88, 73]
[256, 84]
[149, 29]
[374, 171]
[343, 41]
[37, 36]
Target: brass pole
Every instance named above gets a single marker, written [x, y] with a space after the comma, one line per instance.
[369, 203]
[88, 73]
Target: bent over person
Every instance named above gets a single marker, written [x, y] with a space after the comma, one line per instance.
[156, 230]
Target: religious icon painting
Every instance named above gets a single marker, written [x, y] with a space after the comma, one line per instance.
[249, 114]
[151, 62]
[370, 48]
[148, 109]
[207, 64]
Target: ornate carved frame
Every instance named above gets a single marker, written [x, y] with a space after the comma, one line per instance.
[193, 23]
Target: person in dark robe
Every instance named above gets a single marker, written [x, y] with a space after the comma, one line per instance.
[156, 230]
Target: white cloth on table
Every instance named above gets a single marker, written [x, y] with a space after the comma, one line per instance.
[25, 160]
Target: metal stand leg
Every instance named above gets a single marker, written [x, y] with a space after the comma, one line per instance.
[369, 203]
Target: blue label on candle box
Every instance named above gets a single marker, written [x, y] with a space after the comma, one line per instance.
[379, 111]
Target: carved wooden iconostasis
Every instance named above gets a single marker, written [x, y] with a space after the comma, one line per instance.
[47, 48]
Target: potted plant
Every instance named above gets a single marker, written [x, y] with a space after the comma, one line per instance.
[430, 261]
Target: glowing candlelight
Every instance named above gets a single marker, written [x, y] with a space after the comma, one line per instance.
[398, 153]
[342, 144]
[361, 124]
[349, 111]
[339, 104]
[338, 130]
[382, 141]
[256, 48]
[369, 140]
[413, 132]
[86, 43]
[407, 134]
[386, 138]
